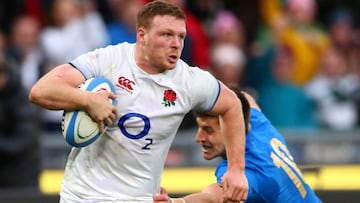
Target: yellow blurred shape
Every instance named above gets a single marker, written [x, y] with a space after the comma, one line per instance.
[190, 180]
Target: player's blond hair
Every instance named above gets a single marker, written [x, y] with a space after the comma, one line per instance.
[155, 8]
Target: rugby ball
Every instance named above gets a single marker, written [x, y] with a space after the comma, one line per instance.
[78, 128]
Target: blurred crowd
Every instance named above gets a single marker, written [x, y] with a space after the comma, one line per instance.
[304, 72]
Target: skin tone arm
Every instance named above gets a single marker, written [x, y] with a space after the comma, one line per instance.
[211, 194]
[234, 181]
[57, 90]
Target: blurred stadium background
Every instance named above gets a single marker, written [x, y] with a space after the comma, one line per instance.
[330, 160]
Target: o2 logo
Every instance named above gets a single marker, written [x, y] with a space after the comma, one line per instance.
[141, 134]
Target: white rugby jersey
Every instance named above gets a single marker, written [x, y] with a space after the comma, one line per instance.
[126, 162]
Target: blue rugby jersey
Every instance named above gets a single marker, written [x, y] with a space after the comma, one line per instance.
[270, 169]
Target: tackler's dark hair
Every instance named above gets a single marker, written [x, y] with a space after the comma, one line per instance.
[244, 103]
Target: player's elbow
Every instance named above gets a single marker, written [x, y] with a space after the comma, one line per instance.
[35, 95]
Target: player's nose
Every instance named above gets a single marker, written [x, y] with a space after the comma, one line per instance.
[199, 137]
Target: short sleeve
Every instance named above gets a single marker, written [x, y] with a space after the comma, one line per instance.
[99, 61]
[207, 90]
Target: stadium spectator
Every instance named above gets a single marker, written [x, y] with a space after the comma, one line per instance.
[294, 24]
[345, 38]
[123, 27]
[228, 29]
[286, 105]
[71, 22]
[20, 156]
[332, 90]
[355, 68]
[341, 30]
[3, 44]
[76, 28]
[24, 48]
[228, 63]
[9, 10]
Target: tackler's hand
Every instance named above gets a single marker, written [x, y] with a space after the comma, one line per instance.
[235, 186]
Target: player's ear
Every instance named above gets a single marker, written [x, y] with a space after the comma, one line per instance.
[140, 34]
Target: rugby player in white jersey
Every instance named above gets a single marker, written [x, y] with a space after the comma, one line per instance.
[154, 91]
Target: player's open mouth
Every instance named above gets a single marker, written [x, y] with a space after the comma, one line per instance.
[173, 58]
[206, 147]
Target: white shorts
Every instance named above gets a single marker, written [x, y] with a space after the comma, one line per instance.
[66, 196]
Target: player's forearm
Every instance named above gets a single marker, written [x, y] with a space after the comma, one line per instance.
[58, 89]
[234, 137]
[58, 97]
[199, 198]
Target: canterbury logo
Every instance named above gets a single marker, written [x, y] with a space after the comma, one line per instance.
[126, 83]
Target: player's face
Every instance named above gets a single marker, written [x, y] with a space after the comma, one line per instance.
[163, 43]
[209, 136]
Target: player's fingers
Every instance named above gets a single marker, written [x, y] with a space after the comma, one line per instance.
[163, 191]
[227, 191]
[108, 121]
[113, 116]
[237, 195]
[224, 185]
[231, 194]
[101, 126]
[160, 198]
[111, 95]
[244, 196]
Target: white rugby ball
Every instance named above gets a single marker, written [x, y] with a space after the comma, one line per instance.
[78, 128]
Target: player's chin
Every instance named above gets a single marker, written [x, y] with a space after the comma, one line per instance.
[208, 156]
[170, 66]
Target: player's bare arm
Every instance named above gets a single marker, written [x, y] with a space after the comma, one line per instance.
[207, 196]
[234, 181]
[57, 90]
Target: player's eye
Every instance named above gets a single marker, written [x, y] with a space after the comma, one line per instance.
[167, 35]
[208, 130]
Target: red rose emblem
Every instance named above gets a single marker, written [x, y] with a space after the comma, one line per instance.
[169, 98]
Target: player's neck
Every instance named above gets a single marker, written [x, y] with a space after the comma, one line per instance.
[142, 60]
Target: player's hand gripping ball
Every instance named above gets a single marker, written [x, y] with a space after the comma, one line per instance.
[78, 128]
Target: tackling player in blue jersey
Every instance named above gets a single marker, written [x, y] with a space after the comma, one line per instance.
[272, 173]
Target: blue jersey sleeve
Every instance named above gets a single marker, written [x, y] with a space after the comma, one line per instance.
[220, 170]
